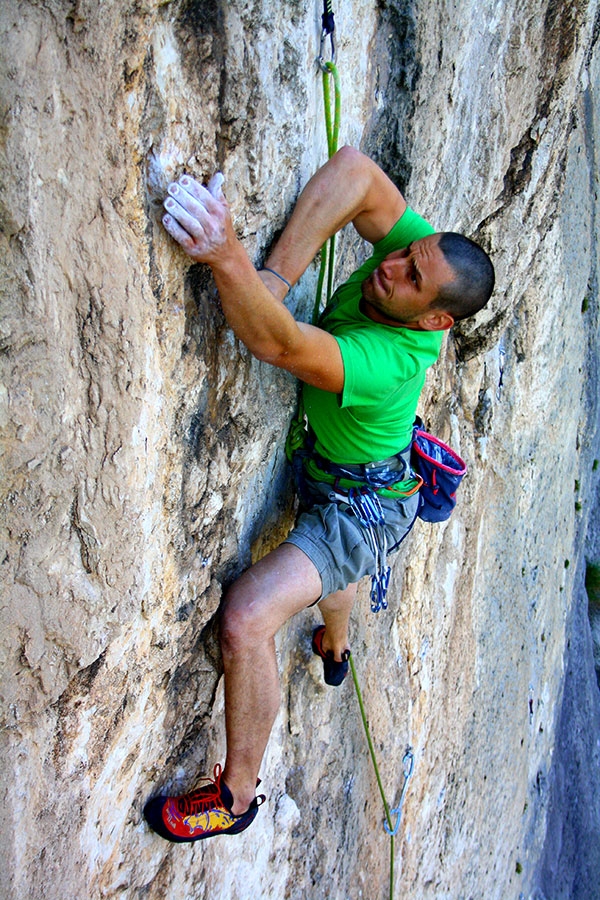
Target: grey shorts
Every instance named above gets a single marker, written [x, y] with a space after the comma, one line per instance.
[331, 537]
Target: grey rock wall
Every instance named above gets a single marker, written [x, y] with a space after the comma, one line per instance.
[143, 465]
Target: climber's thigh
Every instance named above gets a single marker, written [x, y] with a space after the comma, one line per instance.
[274, 589]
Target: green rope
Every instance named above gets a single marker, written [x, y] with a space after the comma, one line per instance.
[332, 127]
[327, 267]
[296, 434]
[386, 807]
[320, 280]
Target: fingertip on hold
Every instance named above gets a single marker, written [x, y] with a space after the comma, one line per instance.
[215, 186]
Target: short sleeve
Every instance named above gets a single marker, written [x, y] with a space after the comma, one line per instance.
[378, 361]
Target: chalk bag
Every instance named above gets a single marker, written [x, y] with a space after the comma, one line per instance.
[442, 471]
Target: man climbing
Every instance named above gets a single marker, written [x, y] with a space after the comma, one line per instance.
[363, 369]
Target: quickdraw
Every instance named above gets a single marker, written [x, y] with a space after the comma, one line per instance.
[408, 764]
[366, 507]
[501, 356]
[328, 29]
[332, 127]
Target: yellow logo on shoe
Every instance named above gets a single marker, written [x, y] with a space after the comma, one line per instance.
[211, 820]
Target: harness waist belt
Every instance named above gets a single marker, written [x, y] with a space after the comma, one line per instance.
[392, 464]
[389, 477]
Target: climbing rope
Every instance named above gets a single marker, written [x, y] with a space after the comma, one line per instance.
[407, 765]
[332, 128]
[297, 434]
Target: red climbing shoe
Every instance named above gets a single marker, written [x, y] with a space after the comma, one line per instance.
[334, 671]
[200, 814]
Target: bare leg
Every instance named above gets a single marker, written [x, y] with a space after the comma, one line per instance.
[257, 605]
[336, 610]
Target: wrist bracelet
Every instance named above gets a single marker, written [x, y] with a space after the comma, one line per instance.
[277, 275]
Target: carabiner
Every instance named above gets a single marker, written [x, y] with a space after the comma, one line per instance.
[321, 57]
[408, 763]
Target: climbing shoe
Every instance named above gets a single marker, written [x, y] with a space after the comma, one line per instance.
[200, 814]
[334, 671]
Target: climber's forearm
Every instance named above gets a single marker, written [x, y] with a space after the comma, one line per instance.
[269, 330]
[199, 220]
[253, 311]
[350, 187]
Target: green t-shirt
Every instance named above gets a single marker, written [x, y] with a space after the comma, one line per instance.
[384, 368]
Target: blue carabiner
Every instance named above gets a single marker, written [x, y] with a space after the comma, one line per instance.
[408, 763]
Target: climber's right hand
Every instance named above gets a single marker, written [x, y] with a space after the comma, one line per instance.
[198, 218]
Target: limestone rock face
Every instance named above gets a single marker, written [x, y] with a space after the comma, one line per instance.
[143, 464]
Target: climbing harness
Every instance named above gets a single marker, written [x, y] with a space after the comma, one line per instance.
[408, 768]
[359, 489]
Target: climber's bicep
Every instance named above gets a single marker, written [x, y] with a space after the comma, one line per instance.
[314, 357]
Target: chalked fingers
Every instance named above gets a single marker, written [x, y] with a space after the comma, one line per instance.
[183, 237]
[185, 209]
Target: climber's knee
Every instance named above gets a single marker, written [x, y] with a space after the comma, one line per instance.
[266, 596]
[244, 620]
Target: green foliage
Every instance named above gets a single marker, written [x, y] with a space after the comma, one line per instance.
[592, 583]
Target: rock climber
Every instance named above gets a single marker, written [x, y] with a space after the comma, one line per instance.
[362, 368]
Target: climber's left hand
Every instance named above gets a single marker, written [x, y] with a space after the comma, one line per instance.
[198, 218]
